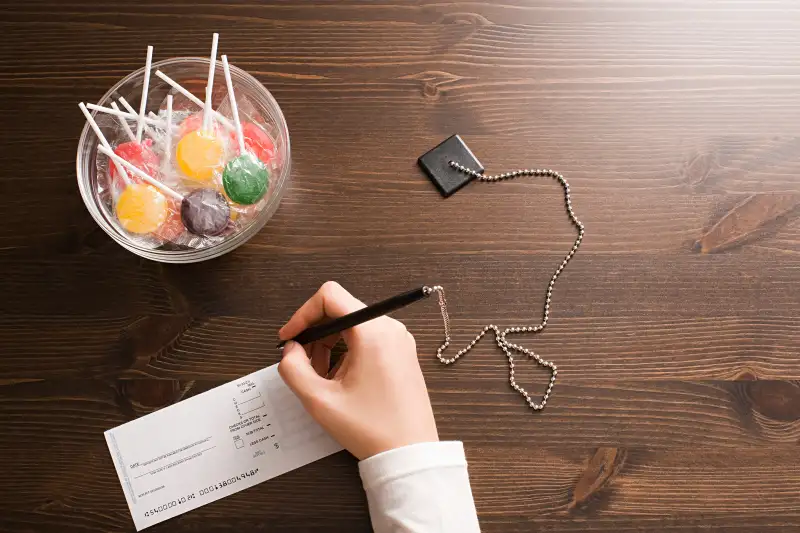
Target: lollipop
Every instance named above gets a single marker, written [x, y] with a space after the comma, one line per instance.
[199, 154]
[191, 123]
[204, 212]
[141, 208]
[257, 141]
[136, 152]
[140, 155]
[173, 227]
[245, 177]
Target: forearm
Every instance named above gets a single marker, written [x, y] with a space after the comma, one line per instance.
[420, 488]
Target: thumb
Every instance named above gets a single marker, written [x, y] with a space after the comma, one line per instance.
[298, 374]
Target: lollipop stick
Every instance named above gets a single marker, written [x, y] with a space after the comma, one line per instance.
[145, 86]
[162, 124]
[212, 66]
[103, 141]
[122, 114]
[168, 140]
[146, 177]
[151, 117]
[132, 110]
[234, 108]
[124, 123]
[126, 105]
[195, 100]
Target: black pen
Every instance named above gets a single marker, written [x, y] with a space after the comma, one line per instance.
[320, 331]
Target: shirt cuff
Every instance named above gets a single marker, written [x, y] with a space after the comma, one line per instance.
[388, 466]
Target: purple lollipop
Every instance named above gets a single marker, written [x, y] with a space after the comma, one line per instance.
[205, 212]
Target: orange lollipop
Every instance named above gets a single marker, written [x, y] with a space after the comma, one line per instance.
[200, 155]
[141, 208]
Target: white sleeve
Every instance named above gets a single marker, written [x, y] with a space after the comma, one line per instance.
[420, 488]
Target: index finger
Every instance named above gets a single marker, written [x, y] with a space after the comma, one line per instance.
[330, 301]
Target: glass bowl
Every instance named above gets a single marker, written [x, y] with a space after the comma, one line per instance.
[191, 73]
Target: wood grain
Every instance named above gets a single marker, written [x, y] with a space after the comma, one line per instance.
[675, 328]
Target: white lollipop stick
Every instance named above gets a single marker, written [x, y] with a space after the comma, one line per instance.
[146, 177]
[151, 116]
[122, 114]
[145, 87]
[161, 123]
[212, 67]
[164, 124]
[185, 92]
[168, 140]
[124, 123]
[234, 108]
[126, 105]
[103, 141]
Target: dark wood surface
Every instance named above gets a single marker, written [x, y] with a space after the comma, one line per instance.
[675, 328]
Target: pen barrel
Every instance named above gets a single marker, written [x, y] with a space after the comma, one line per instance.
[355, 318]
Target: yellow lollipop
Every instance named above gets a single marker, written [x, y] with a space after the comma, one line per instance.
[200, 155]
[141, 208]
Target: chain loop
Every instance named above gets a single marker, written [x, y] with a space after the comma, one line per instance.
[500, 335]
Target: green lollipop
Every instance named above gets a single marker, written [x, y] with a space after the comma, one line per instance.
[245, 178]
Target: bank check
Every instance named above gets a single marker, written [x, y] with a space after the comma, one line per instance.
[213, 445]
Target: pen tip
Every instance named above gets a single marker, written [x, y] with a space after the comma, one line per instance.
[281, 344]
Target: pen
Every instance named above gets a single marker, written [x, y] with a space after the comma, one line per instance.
[320, 331]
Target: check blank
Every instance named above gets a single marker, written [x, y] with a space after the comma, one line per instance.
[212, 445]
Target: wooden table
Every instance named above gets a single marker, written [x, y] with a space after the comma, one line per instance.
[675, 328]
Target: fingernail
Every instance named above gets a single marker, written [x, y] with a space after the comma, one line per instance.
[288, 346]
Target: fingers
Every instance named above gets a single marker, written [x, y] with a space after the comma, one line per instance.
[321, 353]
[330, 301]
[320, 358]
[299, 375]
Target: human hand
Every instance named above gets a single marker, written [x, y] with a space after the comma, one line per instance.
[375, 400]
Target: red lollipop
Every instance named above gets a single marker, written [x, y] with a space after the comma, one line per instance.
[194, 123]
[140, 155]
[258, 142]
[137, 152]
[173, 227]
[190, 124]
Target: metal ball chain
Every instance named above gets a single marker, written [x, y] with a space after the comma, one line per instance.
[500, 335]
